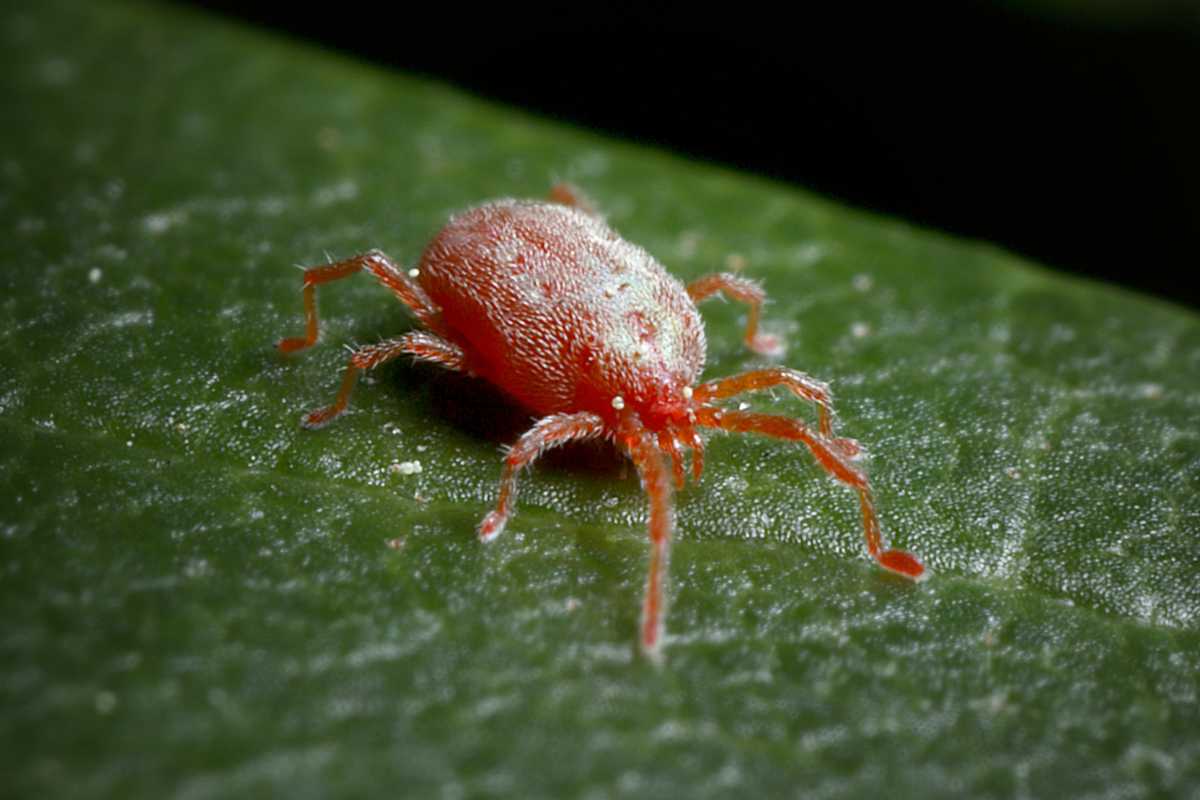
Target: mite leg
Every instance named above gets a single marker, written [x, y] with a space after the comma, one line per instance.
[697, 457]
[313, 277]
[406, 289]
[568, 194]
[547, 432]
[834, 461]
[433, 348]
[801, 385]
[423, 345]
[651, 466]
[667, 443]
[745, 291]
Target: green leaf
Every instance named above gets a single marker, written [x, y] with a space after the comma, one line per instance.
[201, 599]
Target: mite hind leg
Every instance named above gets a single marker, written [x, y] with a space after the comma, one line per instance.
[405, 288]
[421, 344]
[832, 460]
[551, 431]
[744, 291]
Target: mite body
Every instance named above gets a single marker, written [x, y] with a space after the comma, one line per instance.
[595, 337]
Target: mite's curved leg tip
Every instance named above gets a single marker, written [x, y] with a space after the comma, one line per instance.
[290, 345]
[652, 645]
[903, 563]
[316, 419]
[850, 448]
[767, 344]
[492, 526]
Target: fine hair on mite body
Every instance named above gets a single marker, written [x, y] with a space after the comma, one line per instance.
[546, 302]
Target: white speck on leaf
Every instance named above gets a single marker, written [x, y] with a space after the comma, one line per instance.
[130, 318]
[106, 702]
[31, 225]
[810, 253]
[340, 192]
[56, 71]
[162, 221]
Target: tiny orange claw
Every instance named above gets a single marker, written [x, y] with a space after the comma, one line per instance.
[903, 563]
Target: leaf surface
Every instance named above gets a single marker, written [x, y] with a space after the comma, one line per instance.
[201, 599]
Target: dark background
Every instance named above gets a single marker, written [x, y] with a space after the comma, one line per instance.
[1067, 132]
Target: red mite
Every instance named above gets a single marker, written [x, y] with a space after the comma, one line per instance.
[590, 332]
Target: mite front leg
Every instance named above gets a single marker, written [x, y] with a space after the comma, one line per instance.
[668, 445]
[651, 466]
[425, 346]
[834, 461]
[801, 385]
[745, 291]
[547, 432]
